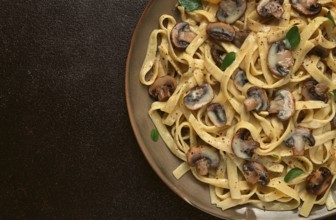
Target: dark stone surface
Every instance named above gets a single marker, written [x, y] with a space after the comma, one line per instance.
[67, 150]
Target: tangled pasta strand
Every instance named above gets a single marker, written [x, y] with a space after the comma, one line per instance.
[273, 134]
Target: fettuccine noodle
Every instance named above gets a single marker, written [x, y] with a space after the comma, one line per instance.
[273, 133]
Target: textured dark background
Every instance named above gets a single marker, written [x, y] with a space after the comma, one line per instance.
[67, 150]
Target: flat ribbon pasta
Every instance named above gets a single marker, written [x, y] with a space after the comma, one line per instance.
[182, 128]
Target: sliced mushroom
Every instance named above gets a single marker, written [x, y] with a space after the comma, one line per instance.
[181, 35]
[257, 99]
[312, 90]
[239, 79]
[333, 123]
[318, 181]
[240, 37]
[283, 105]
[243, 145]
[319, 51]
[202, 157]
[162, 88]
[255, 172]
[298, 138]
[216, 114]
[198, 97]
[217, 54]
[279, 59]
[220, 31]
[230, 11]
[270, 8]
[306, 7]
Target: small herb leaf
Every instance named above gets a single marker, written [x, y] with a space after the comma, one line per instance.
[228, 60]
[293, 173]
[155, 135]
[331, 18]
[191, 5]
[293, 38]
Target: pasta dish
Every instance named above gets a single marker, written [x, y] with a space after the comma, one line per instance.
[244, 94]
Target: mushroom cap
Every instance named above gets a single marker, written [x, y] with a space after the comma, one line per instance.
[279, 59]
[306, 7]
[242, 145]
[220, 31]
[312, 90]
[198, 96]
[298, 138]
[270, 8]
[239, 79]
[255, 172]
[257, 99]
[216, 114]
[318, 181]
[202, 157]
[283, 105]
[162, 88]
[217, 54]
[181, 35]
[240, 37]
[230, 11]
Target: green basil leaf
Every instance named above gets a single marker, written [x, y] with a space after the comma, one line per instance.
[293, 173]
[228, 60]
[191, 5]
[293, 38]
[331, 18]
[155, 135]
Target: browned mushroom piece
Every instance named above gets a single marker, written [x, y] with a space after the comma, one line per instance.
[198, 97]
[255, 172]
[203, 157]
[318, 181]
[319, 51]
[333, 123]
[162, 88]
[298, 138]
[218, 54]
[243, 145]
[230, 11]
[257, 99]
[216, 114]
[279, 59]
[312, 90]
[240, 37]
[220, 31]
[306, 7]
[239, 79]
[283, 105]
[181, 35]
[270, 8]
